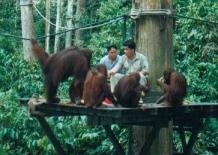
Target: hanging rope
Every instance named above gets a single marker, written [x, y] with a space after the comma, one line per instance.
[88, 26]
[136, 13]
[196, 19]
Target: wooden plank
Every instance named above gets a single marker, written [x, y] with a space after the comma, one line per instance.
[147, 115]
[196, 128]
[182, 136]
[27, 27]
[150, 139]
[144, 113]
[51, 136]
[148, 110]
[114, 140]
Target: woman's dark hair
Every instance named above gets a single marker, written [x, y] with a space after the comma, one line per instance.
[111, 46]
[130, 44]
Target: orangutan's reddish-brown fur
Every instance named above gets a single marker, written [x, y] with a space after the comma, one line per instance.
[96, 87]
[174, 86]
[71, 61]
[128, 90]
[102, 69]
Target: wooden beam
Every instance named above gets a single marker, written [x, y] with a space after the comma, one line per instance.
[51, 136]
[27, 27]
[150, 139]
[196, 128]
[182, 136]
[141, 114]
[114, 140]
[152, 115]
[154, 39]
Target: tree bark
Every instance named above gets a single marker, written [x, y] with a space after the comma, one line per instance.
[69, 22]
[58, 26]
[27, 27]
[47, 25]
[154, 40]
[79, 10]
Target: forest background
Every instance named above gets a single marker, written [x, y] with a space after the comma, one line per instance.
[195, 55]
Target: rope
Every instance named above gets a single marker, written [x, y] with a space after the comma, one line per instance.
[83, 28]
[196, 19]
[47, 20]
[13, 36]
[136, 13]
[88, 26]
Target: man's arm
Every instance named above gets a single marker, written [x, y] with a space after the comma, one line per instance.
[117, 67]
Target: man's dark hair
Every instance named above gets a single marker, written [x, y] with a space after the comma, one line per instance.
[111, 46]
[130, 44]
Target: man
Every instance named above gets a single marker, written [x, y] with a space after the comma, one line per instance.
[112, 58]
[131, 61]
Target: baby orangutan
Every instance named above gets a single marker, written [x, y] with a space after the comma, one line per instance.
[96, 88]
[174, 86]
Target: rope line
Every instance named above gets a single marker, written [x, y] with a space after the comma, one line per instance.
[13, 36]
[196, 19]
[37, 10]
[47, 20]
[98, 24]
[88, 26]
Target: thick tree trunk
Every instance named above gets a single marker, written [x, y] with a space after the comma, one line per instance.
[154, 40]
[79, 10]
[58, 25]
[69, 22]
[47, 25]
[27, 27]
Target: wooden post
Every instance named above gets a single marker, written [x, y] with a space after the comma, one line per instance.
[47, 25]
[27, 27]
[123, 30]
[79, 10]
[69, 22]
[58, 25]
[154, 40]
[51, 135]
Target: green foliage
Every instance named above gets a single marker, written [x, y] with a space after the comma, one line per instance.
[196, 55]
[16, 125]
[107, 34]
[9, 25]
[207, 141]
[20, 75]
[196, 49]
[21, 134]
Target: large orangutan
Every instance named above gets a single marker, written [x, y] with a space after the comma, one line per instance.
[71, 61]
[174, 86]
[96, 88]
[128, 90]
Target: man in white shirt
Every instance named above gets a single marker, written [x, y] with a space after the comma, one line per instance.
[131, 61]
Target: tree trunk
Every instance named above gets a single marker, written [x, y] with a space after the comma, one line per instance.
[154, 40]
[47, 25]
[58, 25]
[69, 22]
[27, 27]
[79, 10]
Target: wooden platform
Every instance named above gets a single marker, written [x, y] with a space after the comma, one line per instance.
[144, 113]
[151, 114]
